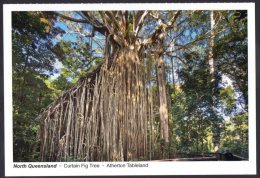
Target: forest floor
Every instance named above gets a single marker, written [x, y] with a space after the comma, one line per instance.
[213, 157]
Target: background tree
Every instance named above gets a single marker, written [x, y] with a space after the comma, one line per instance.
[32, 61]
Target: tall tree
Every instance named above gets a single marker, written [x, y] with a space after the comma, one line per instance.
[163, 104]
[212, 56]
[123, 62]
[31, 61]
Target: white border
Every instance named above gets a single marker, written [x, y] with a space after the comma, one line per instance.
[155, 168]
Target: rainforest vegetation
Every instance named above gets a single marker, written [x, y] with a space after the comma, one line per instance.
[128, 85]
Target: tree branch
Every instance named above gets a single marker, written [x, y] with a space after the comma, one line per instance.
[98, 28]
[168, 54]
[71, 18]
[140, 22]
[162, 28]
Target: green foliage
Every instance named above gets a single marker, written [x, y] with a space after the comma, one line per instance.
[31, 59]
[64, 81]
[76, 60]
[34, 58]
[235, 136]
[232, 53]
[199, 104]
[227, 97]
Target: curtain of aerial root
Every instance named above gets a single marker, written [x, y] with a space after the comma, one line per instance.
[103, 120]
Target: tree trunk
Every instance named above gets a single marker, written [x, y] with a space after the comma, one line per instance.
[104, 118]
[211, 44]
[215, 124]
[164, 131]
